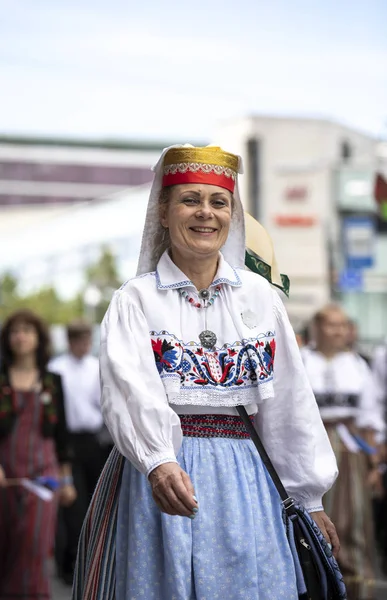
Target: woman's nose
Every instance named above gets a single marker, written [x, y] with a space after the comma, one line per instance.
[204, 211]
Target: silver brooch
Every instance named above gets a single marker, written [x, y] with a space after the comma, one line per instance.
[207, 339]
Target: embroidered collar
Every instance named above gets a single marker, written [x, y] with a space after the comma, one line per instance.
[169, 276]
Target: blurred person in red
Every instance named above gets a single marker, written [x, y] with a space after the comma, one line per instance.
[79, 371]
[33, 443]
[346, 395]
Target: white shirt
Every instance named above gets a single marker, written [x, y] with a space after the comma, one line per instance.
[81, 390]
[348, 374]
[153, 367]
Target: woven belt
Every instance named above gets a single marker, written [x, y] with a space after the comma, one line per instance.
[210, 426]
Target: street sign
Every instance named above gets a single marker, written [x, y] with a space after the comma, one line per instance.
[359, 241]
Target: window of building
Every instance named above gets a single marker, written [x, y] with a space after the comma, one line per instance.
[346, 151]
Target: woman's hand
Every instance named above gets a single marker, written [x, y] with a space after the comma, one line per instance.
[67, 495]
[173, 491]
[327, 529]
[3, 479]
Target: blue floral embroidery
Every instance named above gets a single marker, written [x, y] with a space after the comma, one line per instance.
[245, 363]
[250, 364]
[186, 366]
[165, 355]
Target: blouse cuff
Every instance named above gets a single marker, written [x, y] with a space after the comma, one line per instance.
[155, 460]
[313, 504]
[315, 508]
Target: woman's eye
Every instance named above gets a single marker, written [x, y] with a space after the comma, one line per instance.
[190, 200]
[219, 203]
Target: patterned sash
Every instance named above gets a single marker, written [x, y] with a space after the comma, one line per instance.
[95, 572]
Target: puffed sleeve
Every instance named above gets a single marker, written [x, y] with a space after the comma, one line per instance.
[290, 424]
[134, 404]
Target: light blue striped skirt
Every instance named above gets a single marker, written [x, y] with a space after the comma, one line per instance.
[235, 549]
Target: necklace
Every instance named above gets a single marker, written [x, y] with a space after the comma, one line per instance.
[207, 337]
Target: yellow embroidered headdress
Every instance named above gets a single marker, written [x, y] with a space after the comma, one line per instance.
[209, 165]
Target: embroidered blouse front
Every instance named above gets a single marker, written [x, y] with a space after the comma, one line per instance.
[193, 375]
[153, 367]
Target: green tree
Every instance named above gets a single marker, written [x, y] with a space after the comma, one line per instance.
[8, 294]
[45, 302]
[102, 275]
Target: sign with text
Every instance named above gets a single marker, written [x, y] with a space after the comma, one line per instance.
[296, 193]
[359, 241]
[295, 220]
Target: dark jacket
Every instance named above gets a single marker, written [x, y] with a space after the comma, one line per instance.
[53, 419]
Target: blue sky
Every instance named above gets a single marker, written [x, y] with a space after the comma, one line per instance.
[172, 70]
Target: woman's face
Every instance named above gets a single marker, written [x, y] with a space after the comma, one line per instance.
[198, 218]
[23, 339]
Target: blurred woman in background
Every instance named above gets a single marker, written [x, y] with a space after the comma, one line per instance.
[33, 443]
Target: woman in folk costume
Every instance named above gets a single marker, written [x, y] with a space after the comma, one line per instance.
[33, 443]
[184, 509]
[348, 402]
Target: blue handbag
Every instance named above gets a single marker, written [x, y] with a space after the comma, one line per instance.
[317, 572]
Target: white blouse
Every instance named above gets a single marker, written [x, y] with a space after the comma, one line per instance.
[81, 390]
[345, 374]
[153, 368]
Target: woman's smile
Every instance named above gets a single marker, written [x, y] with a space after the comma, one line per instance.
[206, 231]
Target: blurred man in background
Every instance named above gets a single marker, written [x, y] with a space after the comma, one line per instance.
[346, 394]
[80, 376]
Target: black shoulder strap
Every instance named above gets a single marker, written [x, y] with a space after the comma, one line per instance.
[287, 501]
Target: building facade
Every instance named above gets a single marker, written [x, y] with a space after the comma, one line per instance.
[60, 200]
[303, 179]
[44, 171]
